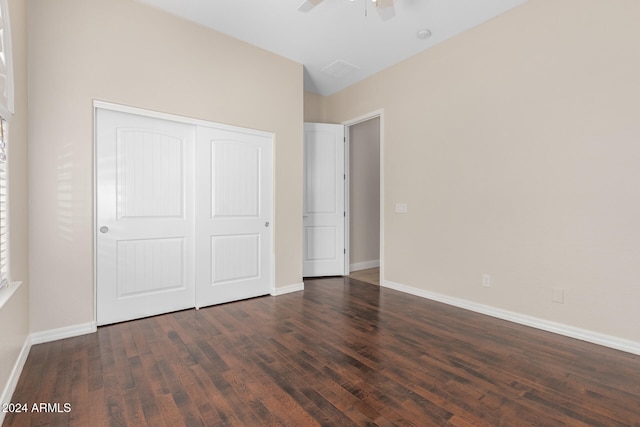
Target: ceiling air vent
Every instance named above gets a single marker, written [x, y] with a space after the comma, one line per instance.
[339, 69]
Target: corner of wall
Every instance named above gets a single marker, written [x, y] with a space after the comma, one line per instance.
[315, 107]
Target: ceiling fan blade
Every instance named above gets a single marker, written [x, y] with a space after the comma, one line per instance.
[385, 8]
[384, 3]
[308, 5]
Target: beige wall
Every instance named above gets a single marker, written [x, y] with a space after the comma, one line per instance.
[125, 52]
[364, 191]
[14, 316]
[516, 147]
[315, 108]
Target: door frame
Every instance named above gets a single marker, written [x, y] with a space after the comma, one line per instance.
[98, 104]
[347, 124]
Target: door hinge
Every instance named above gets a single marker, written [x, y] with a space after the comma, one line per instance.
[344, 214]
[345, 251]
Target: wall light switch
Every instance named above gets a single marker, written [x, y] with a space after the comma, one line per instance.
[401, 208]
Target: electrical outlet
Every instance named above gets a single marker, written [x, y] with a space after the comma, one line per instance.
[401, 208]
[557, 295]
[486, 280]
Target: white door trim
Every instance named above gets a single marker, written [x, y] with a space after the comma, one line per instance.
[363, 118]
[176, 118]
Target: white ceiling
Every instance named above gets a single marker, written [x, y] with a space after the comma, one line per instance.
[338, 30]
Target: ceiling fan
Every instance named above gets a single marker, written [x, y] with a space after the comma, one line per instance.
[385, 8]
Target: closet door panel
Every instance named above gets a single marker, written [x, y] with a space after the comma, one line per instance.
[144, 216]
[234, 192]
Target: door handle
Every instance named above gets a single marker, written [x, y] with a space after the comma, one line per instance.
[104, 229]
[266, 224]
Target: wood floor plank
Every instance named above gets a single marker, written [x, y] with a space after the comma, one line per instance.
[340, 353]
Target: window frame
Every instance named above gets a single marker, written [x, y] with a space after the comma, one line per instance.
[6, 104]
[6, 111]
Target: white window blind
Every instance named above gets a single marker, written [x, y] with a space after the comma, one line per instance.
[4, 209]
[6, 63]
[6, 109]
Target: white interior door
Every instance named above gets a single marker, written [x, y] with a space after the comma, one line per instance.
[324, 213]
[144, 216]
[234, 197]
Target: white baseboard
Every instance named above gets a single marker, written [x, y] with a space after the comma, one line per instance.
[12, 382]
[545, 325]
[364, 265]
[62, 333]
[287, 289]
[39, 338]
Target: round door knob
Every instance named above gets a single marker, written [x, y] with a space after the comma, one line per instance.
[104, 229]
[266, 224]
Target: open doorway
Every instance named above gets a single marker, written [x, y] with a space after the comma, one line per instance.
[364, 197]
[327, 206]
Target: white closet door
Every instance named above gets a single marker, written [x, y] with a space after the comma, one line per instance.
[144, 216]
[233, 215]
[324, 214]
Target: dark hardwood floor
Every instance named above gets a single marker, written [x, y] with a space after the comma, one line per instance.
[341, 353]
